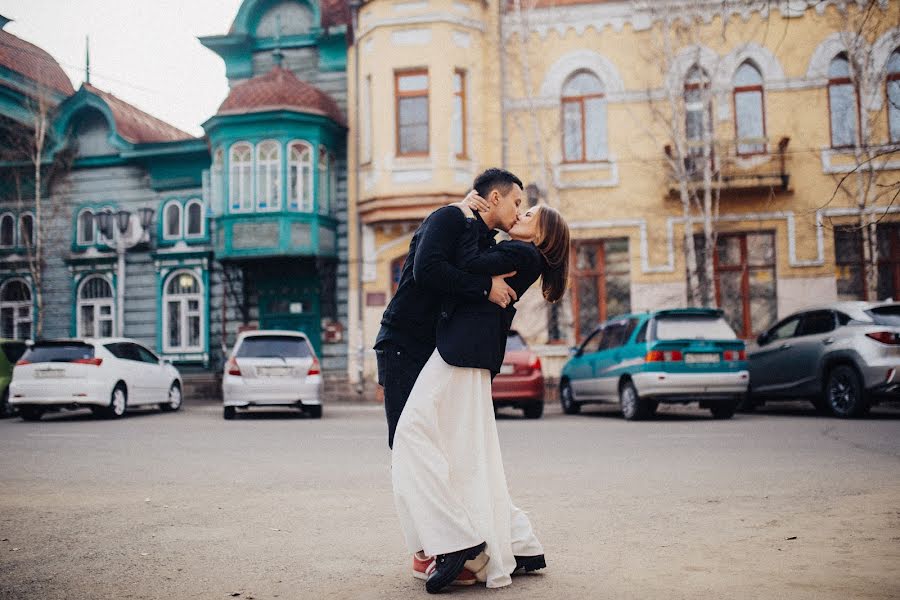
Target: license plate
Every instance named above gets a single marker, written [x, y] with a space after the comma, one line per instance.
[702, 357]
[274, 371]
[507, 369]
[48, 373]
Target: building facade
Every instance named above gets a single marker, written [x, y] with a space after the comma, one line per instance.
[769, 128]
[238, 229]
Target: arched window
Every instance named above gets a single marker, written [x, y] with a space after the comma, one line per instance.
[26, 230]
[268, 175]
[584, 118]
[194, 218]
[324, 181]
[893, 95]
[217, 180]
[842, 103]
[95, 307]
[87, 229]
[15, 310]
[182, 313]
[697, 115]
[300, 178]
[172, 220]
[240, 186]
[749, 118]
[7, 231]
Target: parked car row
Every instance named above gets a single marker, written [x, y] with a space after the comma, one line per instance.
[843, 357]
[111, 375]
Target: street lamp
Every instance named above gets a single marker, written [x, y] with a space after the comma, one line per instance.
[107, 221]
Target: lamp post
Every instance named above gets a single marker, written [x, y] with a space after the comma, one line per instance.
[114, 226]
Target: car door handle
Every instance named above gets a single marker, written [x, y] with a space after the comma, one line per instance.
[784, 347]
[828, 341]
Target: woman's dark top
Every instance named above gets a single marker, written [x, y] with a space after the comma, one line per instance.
[473, 334]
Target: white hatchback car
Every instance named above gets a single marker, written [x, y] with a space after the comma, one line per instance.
[107, 375]
[272, 368]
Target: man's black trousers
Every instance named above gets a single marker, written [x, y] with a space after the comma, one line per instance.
[398, 370]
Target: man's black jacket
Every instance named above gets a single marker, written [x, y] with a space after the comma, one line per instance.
[430, 274]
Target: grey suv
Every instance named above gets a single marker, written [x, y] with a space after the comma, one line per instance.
[844, 357]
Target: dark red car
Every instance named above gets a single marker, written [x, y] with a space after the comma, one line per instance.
[520, 383]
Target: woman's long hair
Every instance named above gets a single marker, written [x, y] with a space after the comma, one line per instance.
[552, 241]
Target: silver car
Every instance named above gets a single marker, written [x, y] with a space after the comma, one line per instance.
[272, 368]
[844, 357]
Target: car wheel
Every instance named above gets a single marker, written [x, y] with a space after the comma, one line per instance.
[314, 411]
[534, 410]
[229, 413]
[30, 413]
[118, 402]
[633, 407]
[567, 399]
[724, 410]
[844, 393]
[174, 402]
[5, 409]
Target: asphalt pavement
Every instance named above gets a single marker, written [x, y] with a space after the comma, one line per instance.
[782, 503]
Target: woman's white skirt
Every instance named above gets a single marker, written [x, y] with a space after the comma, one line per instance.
[449, 484]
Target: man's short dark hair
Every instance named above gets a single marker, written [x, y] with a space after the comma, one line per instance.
[496, 179]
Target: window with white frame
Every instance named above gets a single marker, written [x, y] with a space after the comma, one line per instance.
[324, 192]
[268, 175]
[366, 129]
[300, 180]
[7, 231]
[893, 95]
[95, 307]
[182, 313]
[749, 119]
[458, 123]
[193, 216]
[584, 118]
[87, 228]
[172, 225]
[26, 230]
[842, 103]
[15, 310]
[240, 186]
[697, 116]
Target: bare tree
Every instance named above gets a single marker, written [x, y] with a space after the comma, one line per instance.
[857, 76]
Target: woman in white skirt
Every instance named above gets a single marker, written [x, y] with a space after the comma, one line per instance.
[449, 485]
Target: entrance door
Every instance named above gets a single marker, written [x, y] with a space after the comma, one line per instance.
[293, 305]
[744, 264]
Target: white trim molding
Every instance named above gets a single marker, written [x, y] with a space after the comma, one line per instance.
[828, 154]
[581, 60]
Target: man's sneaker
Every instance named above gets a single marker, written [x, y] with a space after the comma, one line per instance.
[423, 565]
[447, 567]
[530, 563]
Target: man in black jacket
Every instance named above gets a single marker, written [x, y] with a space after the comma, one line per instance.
[407, 336]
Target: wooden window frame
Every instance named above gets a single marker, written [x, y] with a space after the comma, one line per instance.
[580, 101]
[600, 273]
[762, 105]
[895, 76]
[415, 94]
[744, 269]
[705, 85]
[843, 81]
[461, 94]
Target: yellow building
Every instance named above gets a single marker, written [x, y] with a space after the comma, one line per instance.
[776, 123]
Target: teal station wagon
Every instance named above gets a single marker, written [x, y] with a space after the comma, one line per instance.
[676, 356]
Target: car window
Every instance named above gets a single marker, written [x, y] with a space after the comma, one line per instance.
[885, 315]
[817, 322]
[124, 350]
[784, 330]
[693, 327]
[514, 341]
[43, 352]
[642, 334]
[14, 351]
[592, 342]
[614, 336]
[146, 355]
[843, 318]
[274, 346]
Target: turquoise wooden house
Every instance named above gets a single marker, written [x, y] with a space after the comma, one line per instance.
[242, 228]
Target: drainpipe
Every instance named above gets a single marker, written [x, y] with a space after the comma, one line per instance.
[360, 329]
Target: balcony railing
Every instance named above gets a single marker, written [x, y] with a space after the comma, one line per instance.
[746, 164]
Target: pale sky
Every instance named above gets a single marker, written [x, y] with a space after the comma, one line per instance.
[144, 51]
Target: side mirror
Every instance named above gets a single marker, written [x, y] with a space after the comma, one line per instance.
[762, 339]
[575, 351]
[165, 361]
